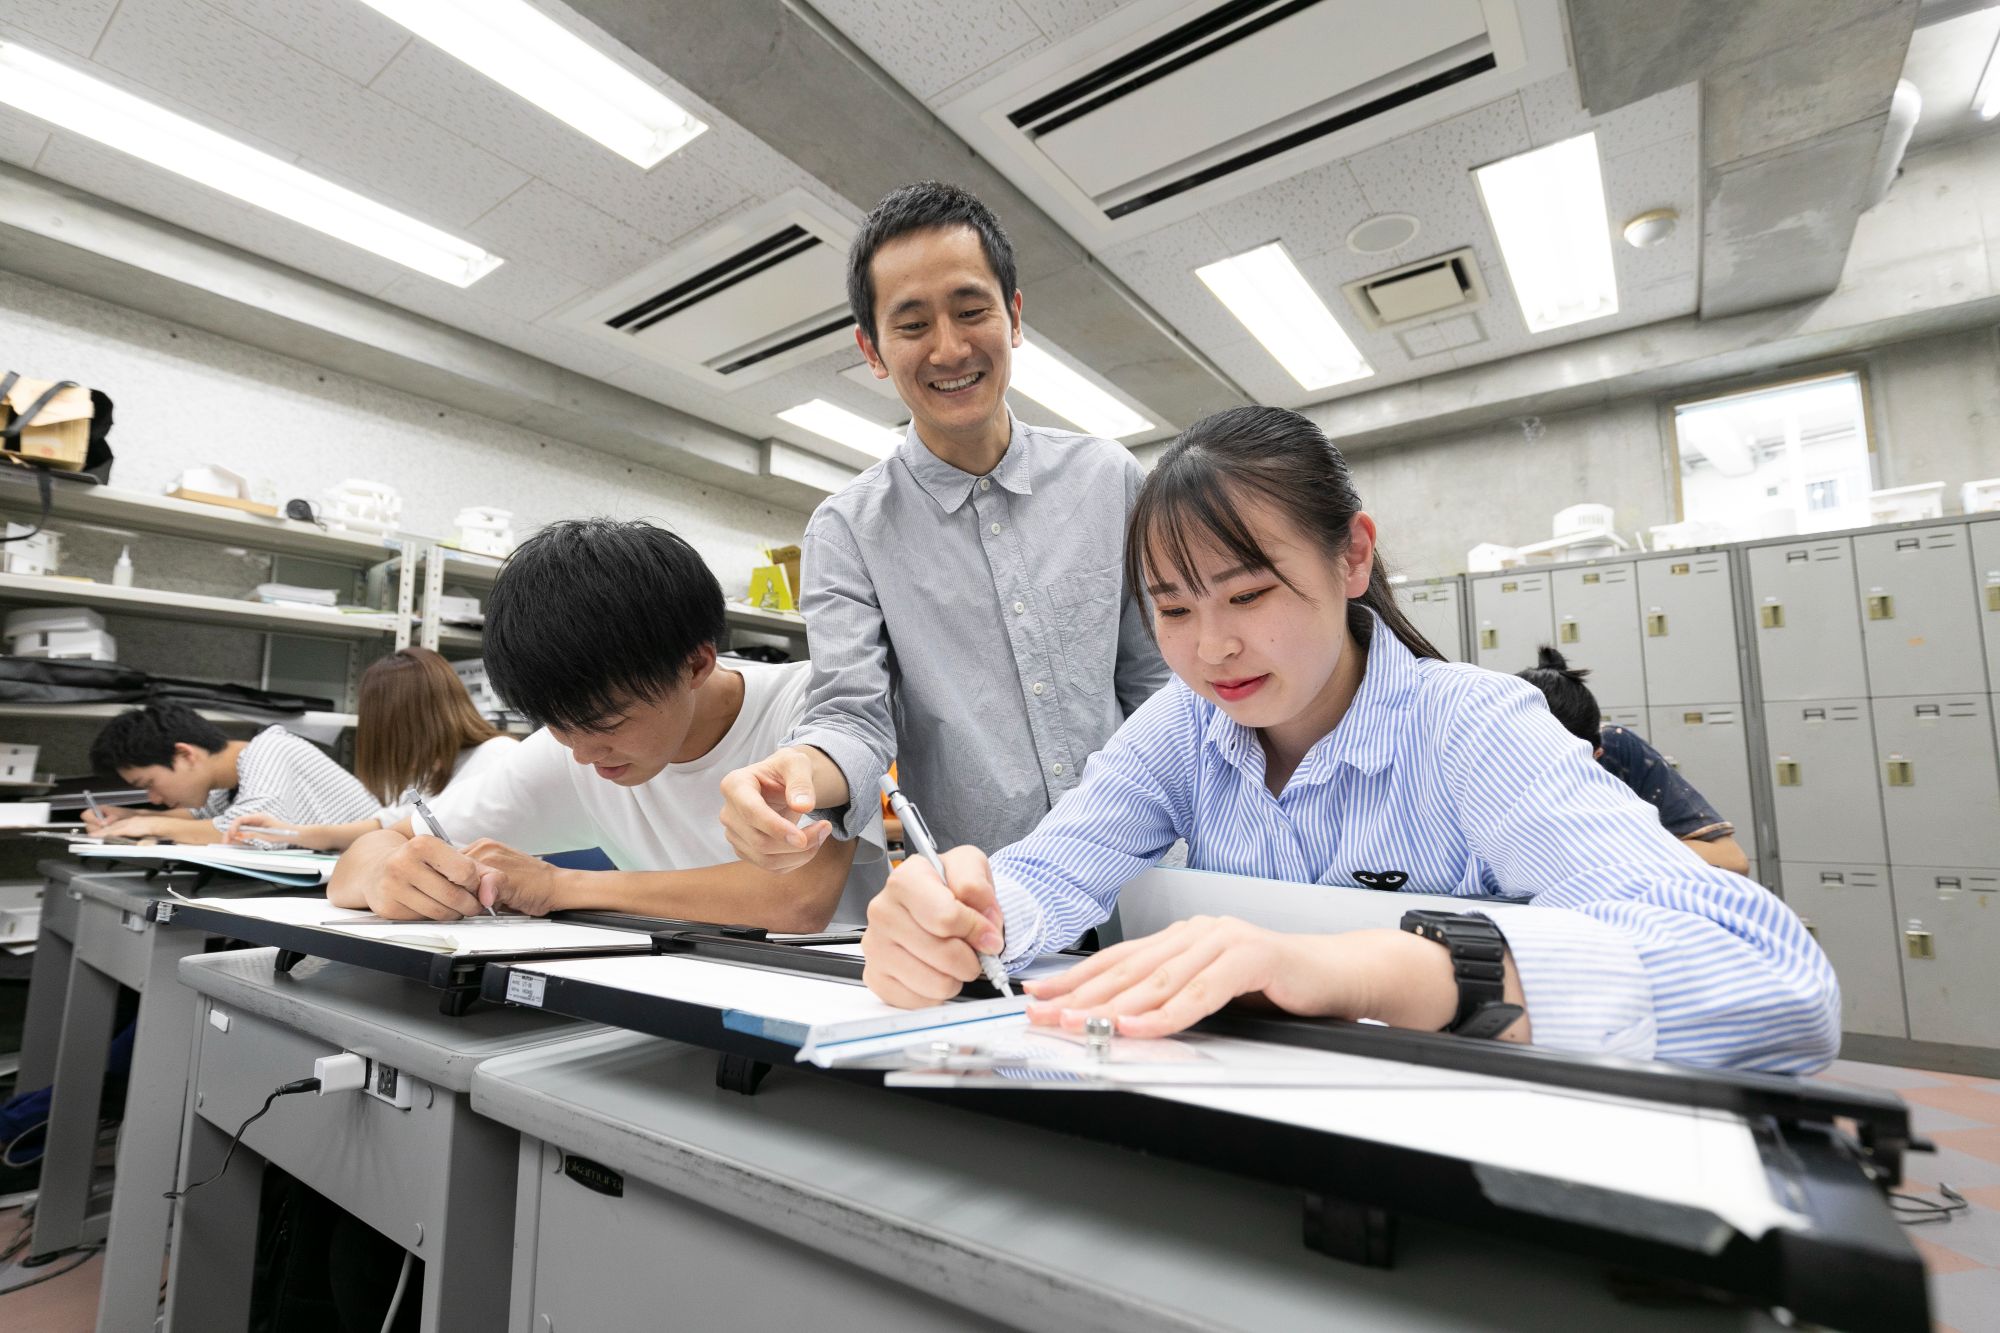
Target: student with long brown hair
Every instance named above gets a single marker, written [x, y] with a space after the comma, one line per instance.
[419, 733]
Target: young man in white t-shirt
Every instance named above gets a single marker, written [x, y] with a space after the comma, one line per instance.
[606, 634]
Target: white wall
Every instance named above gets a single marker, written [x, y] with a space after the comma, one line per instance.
[184, 398]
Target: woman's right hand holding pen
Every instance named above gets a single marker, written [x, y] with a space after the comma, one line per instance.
[924, 935]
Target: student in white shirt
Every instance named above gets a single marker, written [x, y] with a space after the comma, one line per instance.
[419, 734]
[606, 634]
[209, 782]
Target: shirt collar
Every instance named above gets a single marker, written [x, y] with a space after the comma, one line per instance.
[949, 486]
[1365, 739]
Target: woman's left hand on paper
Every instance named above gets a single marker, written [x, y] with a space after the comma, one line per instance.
[515, 880]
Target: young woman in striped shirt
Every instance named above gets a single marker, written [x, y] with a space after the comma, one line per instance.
[1313, 735]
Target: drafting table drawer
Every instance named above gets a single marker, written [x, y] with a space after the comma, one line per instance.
[116, 941]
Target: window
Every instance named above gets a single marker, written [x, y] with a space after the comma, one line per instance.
[1770, 462]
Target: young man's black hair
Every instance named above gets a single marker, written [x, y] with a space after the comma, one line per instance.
[1569, 698]
[920, 207]
[146, 736]
[590, 613]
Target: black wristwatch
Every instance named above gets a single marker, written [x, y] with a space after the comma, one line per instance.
[1478, 963]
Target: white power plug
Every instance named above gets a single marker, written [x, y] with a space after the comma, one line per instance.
[345, 1072]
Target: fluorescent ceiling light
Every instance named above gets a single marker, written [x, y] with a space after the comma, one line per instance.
[1547, 209]
[1265, 290]
[1069, 395]
[844, 427]
[83, 105]
[1986, 101]
[527, 52]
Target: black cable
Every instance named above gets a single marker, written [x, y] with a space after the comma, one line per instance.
[296, 1085]
[1922, 1212]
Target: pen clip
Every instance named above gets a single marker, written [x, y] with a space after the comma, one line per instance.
[912, 818]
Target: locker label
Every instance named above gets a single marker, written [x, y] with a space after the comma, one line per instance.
[1900, 773]
[1656, 625]
[1771, 617]
[1881, 606]
[1788, 773]
[1919, 942]
[1566, 632]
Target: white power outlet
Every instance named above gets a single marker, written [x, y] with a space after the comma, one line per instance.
[386, 1083]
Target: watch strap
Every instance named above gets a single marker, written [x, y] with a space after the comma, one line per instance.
[1479, 966]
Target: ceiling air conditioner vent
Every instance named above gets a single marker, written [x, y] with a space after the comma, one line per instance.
[758, 295]
[1424, 290]
[1160, 110]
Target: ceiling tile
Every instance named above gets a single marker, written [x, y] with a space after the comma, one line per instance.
[524, 289]
[449, 305]
[1673, 114]
[1405, 174]
[347, 37]
[1664, 175]
[148, 189]
[233, 74]
[21, 138]
[686, 191]
[542, 224]
[1160, 267]
[1553, 109]
[928, 45]
[1311, 213]
[73, 25]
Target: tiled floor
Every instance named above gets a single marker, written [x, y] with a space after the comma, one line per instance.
[1960, 1114]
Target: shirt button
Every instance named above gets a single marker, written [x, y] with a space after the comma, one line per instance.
[985, 483]
[1039, 687]
[1020, 608]
[995, 529]
[1057, 770]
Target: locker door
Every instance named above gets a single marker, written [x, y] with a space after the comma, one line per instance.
[1808, 620]
[1633, 720]
[1950, 923]
[1706, 745]
[1511, 619]
[1690, 629]
[1918, 615]
[1940, 790]
[1597, 626]
[1986, 575]
[1851, 912]
[1433, 607]
[1828, 806]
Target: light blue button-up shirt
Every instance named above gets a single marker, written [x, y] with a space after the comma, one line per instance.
[1460, 778]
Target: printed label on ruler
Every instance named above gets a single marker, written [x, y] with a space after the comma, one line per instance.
[525, 988]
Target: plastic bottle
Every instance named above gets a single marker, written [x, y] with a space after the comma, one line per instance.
[121, 573]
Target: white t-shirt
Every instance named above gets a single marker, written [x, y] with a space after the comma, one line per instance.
[540, 800]
[472, 762]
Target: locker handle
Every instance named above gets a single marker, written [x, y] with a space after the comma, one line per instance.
[1489, 638]
[1993, 597]
[1795, 557]
[1788, 773]
[1919, 943]
[1656, 625]
[1566, 632]
[1949, 882]
[1771, 617]
[1900, 773]
[1677, 569]
[1593, 578]
[1881, 607]
[1908, 543]
[1928, 710]
[1832, 877]
[1510, 587]
[1811, 929]
[1814, 715]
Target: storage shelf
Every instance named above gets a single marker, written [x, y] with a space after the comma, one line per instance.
[141, 512]
[105, 712]
[463, 567]
[50, 591]
[771, 622]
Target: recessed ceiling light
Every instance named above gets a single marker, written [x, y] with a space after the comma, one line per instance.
[75, 101]
[1265, 290]
[836, 423]
[1069, 395]
[1547, 209]
[1986, 100]
[524, 50]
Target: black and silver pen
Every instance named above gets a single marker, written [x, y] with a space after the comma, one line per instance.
[437, 831]
[918, 835]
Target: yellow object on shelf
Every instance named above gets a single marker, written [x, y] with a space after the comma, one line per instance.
[772, 584]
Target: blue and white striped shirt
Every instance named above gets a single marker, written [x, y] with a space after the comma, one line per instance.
[1460, 778]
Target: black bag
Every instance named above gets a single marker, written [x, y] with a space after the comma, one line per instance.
[96, 469]
[36, 680]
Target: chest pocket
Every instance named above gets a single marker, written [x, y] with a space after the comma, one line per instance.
[1086, 609]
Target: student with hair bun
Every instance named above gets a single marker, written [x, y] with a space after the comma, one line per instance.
[1684, 812]
[1314, 736]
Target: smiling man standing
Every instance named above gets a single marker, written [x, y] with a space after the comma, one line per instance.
[964, 598]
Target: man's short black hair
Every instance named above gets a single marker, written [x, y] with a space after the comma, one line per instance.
[146, 737]
[590, 613]
[920, 207]
[1569, 698]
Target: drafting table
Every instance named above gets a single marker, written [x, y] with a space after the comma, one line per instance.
[96, 936]
[436, 1178]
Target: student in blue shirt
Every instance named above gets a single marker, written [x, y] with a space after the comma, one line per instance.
[1313, 735]
[1684, 812]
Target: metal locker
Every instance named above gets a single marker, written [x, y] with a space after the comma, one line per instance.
[1807, 618]
[1689, 625]
[1433, 606]
[1706, 744]
[1596, 614]
[1510, 618]
[1827, 803]
[1632, 719]
[1918, 621]
[1986, 587]
[1851, 911]
[1940, 788]
[1949, 922]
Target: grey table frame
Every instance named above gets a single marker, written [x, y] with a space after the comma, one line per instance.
[94, 938]
[827, 1204]
[436, 1178]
